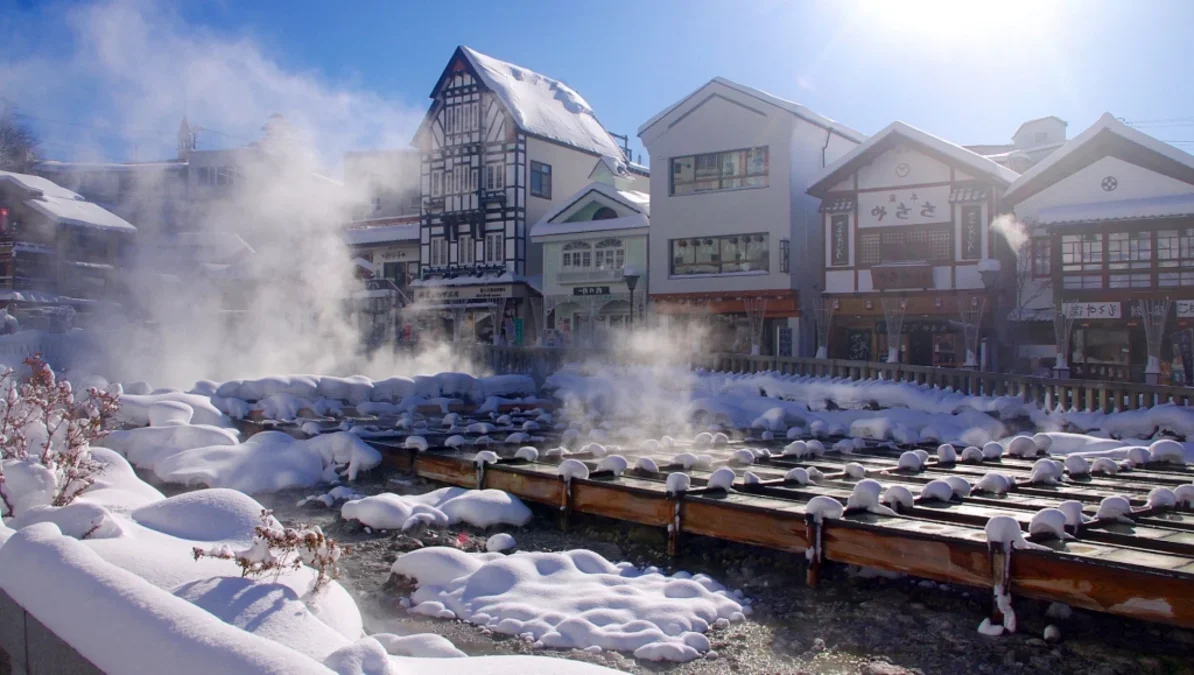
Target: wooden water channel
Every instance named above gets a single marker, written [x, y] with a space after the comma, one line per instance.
[1144, 570]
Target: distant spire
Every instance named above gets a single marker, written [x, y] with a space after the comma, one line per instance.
[186, 138]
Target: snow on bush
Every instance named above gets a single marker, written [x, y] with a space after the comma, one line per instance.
[592, 602]
[46, 437]
[442, 507]
[276, 549]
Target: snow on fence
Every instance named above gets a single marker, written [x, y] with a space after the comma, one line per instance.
[1048, 393]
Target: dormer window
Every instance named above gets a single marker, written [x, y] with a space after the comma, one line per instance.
[605, 213]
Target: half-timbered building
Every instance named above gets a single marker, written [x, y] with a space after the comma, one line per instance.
[500, 145]
[1111, 214]
[906, 217]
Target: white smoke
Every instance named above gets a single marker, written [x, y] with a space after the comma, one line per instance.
[1013, 232]
[149, 68]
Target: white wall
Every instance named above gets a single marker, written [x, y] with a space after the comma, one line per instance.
[1085, 187]
[717, 119]
[570, 171]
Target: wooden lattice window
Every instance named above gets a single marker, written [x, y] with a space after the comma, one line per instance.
[884, 245]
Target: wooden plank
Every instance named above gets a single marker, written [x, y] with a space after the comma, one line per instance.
[722, 519]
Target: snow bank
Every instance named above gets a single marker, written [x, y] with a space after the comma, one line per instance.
[442, 507]
[135, 409]
[269, 461]
[146, 446]
[575, 599]
[125, 622]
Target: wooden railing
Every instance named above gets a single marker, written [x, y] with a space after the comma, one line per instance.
[1048, 393]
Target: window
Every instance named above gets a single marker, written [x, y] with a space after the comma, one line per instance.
[605, 213]
[724, 254]
[785, 255]
[437, 180]
[541, 180]
[610, 254]
[394, 271]
[915, 244]
[578, 254]
[1175, 257]
[495, 247]
[205, 176]
[493, 177]
[720, 171]
[1042, 257]
[1082, 260]
[439, 252]
[466, 251]
[376, 204]
[474, 175]
[415, 202]
[1130, 256]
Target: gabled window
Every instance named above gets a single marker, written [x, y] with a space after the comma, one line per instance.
[541, 180]
[439, 252]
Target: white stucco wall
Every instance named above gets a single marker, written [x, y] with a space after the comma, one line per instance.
[1085, 187]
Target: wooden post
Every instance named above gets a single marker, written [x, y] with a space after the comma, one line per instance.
[812, 530]
[1000, 557]
[566, 507]
[673, 528]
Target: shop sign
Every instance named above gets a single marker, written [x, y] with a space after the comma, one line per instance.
[1185, 309]
[444, 293]
[1092, 310]
[902, 276]
[918, 206]
[397, 254]
[590, 290]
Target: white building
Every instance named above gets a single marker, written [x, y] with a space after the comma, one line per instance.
[1111, 215]
[501, 147]
[906, 219]
[590, 243]
[735, 242]
[1033, 141]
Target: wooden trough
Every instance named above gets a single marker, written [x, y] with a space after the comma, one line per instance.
[1143, 570]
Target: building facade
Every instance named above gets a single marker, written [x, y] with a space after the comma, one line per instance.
[590, 243]
[56, 248]
[1112, 214]
[735, 241]
[907, 224]
[500, 147]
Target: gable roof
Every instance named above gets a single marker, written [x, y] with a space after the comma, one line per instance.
[952, 152]
[1106, 137]
[62, 205]
[1041, 119]
[638, 203]
[541, 106]
[795, 108]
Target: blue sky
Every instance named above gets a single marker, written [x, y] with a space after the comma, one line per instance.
[967, 71]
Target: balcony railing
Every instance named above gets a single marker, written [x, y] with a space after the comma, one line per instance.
[592, 274]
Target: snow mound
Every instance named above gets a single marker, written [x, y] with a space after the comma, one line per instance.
[722, 479]
[442, 507]
[591, 601]
[499, 542]
[203, 515]
[1005, 530]
[613, 463]
[571, 469]
[678, 482]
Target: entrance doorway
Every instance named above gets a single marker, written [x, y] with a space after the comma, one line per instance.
[920, 348]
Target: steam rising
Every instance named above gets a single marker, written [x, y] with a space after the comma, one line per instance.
[1012, 230]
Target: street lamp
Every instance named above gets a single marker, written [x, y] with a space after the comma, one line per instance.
[630, 275]
[989, 270]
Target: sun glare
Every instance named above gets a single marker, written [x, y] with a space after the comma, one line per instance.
[950, 21]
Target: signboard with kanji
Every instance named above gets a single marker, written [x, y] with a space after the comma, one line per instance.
[915, 206]
[972, 232]
[590, 290]
[902, 276]
[1185, 308]
[1093, 310]
[839, 239]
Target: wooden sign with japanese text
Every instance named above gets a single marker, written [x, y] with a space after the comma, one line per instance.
[914, 206]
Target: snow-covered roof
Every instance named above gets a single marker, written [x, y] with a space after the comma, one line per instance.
[378, 234]
[64, 206]
[1168, 206]
[469, 280]
[543, 106]
[54, 165]
[795, 108]
[638, 203]
[631, 222]
[1107, 124]
[969, 159]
